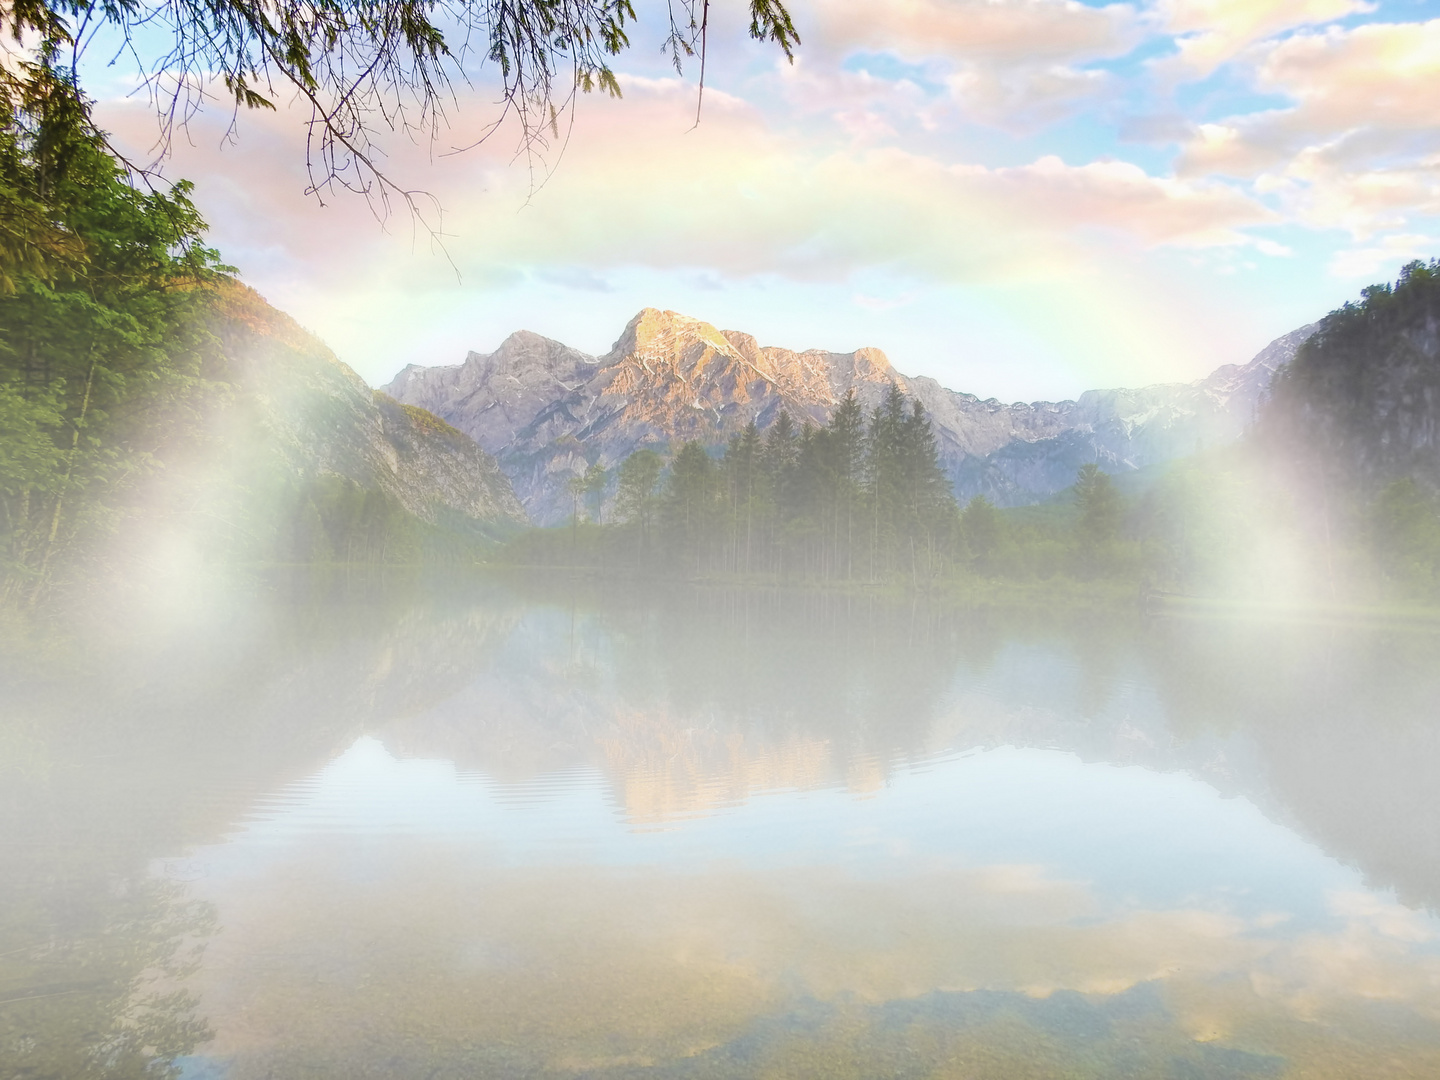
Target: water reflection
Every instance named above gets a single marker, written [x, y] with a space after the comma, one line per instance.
[495, 832]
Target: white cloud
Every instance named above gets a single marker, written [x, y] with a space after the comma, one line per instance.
[864, 106]
[1323, 193]
[637, 188]
[1122, 197]
[1362, 93]
[1391, 251]
[1015, 64]
[1380, 75]
[993, 31]
[1274, 250]
[1027, 98]
[1359, 150]
[1213, 32]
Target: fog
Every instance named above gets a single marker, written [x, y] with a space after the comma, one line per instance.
[372, 825]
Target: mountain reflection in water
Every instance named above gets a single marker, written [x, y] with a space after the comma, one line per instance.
[400, 832]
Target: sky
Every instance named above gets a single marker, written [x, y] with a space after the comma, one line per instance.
[1020, 198]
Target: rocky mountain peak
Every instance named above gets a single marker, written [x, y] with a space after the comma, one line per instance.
[548, 411]
[670, 345]
[524, 351]
[667, 341]
[1253, 379]
[874, 361]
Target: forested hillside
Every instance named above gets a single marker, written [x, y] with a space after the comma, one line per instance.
[1329, 499]
[155, 414]
[1362, 396]
[549, 412]
[859, 499]
[1354, 427]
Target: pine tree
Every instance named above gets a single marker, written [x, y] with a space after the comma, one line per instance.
[1098, 527]
[847, 451]
[635, 493]
[929, 505]
[596, 477]
[980, 527]
[689, 504]
[743, 480]
[884, 479]
[778, 464]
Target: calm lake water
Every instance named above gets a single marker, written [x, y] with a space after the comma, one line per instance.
[489, 831]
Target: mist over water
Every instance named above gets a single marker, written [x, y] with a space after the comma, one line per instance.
[389, 829]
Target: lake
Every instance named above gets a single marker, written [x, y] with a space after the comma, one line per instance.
[496, 829]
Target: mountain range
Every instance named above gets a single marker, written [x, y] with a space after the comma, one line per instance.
[546, 411]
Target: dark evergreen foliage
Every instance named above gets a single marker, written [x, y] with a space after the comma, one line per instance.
[1098, 527]
[101, 343]
[1403, 526]
[1359, 406]
[1352, 434]
[847, 501]
[113, 368]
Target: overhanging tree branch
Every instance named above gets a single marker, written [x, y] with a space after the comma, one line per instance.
[367, 66]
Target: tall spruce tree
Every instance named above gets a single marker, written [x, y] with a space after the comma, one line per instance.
[847, 454]
[690, 506]
[635, 493]
[1098, 527]
[744, 486]
[930, 504]
[778, 466]
[885, 480]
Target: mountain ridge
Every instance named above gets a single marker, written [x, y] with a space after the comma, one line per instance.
[546, 411]
[293, 458]
[317, 416]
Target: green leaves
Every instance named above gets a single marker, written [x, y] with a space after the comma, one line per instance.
[1404, 530]
[639, 473]
[99, 332]
[246, 97]
[769, 20]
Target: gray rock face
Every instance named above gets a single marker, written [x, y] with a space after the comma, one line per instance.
[1122, 430]
[299, 409]
[546, 411]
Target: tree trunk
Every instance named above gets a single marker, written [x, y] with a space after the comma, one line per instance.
[64, 483]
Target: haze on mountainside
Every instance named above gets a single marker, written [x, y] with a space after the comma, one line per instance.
[549, 412]
[720, 710]
[755, 783]
[684, 439]
[120, 391]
